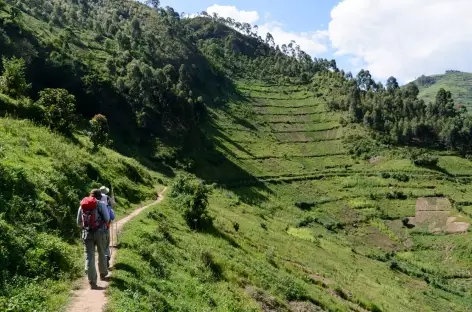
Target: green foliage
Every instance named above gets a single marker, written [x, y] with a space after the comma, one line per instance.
[305, 205]
[13, 79]
[457, 82]
[396, 195]
[423, 159]
[99, 131]
[42, 178]
[361, 146]
[397, 116]
[191, 197]
[402, 177]
[59, 109]
[163, 79]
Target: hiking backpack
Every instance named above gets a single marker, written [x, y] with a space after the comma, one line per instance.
[90, 220]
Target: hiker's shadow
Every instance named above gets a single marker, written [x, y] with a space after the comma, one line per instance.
[123, 285]
[212, 230]
[125, 267]
[99, 288]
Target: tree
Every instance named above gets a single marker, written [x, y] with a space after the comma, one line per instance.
[270, 40]
[411, 91]
[392, 84]
[153, 3]
[99, 131]
[355, 110]
[364, 80]
[191, 197]
[59, 108]
[14, 13]
[13, 81]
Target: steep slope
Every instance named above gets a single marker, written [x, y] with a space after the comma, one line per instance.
[300, 225]
[42, 177]
[150, 72]
[459, 83]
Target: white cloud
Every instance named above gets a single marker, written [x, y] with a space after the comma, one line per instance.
[311, 42]
[404, 38]
[231, 11]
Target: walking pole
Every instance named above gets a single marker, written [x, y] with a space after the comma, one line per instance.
[115, 239]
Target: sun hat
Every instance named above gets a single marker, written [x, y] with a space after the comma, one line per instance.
[104, 190]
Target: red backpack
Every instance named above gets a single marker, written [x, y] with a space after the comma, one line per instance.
[90, 221]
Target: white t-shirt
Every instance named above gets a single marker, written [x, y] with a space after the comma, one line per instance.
[105, 200]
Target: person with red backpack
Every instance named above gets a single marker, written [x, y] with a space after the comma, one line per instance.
[92, 217]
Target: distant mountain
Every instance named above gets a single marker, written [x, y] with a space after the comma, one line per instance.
[459, 83]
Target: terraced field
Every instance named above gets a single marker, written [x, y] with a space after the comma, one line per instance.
[300, 225]
[291, 143]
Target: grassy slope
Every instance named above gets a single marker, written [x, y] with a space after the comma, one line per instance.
[460, 85]
[55, 167]
[337, 257]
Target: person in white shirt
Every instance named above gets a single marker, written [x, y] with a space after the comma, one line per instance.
[109, 202]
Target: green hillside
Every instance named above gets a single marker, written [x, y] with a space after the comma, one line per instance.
[301, 225]
[459, 83]
[293, 186]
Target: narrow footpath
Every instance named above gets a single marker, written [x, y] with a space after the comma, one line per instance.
[94, 300]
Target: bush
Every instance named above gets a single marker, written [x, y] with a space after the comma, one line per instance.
[99, 131]
[305, 206]
[385, 175]
[13, 81]
[291, 289]
[236, 226]
[306, 222]
[396, 195]
[50, 257]
[59, 107]
[191, 196]
[424, 159]
[401, 177]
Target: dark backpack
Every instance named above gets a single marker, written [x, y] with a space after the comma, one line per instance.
[90, 221]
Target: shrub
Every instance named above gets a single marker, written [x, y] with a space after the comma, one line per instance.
[385, 175]
[401, 177]
[13, 81]
[291, 289]
[99, 131]
[306, 222]
[424, 159]
[305, 205]
[59, 108]
[191, 196]
[396, 195]
[236, 226]
[50, 257]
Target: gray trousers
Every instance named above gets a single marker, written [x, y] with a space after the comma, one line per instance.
[107, 244]
[91, 240]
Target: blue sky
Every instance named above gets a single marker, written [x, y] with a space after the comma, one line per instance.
[403, 38]
[301, 15]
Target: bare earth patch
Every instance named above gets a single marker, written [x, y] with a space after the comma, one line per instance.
[456, 227]
[266, 301]
[433, 214]
[303, 306]
[376, 159]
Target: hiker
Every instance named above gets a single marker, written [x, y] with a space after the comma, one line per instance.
[108, 201]
[92, 217]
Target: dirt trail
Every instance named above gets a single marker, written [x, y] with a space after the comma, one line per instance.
[88, 300]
